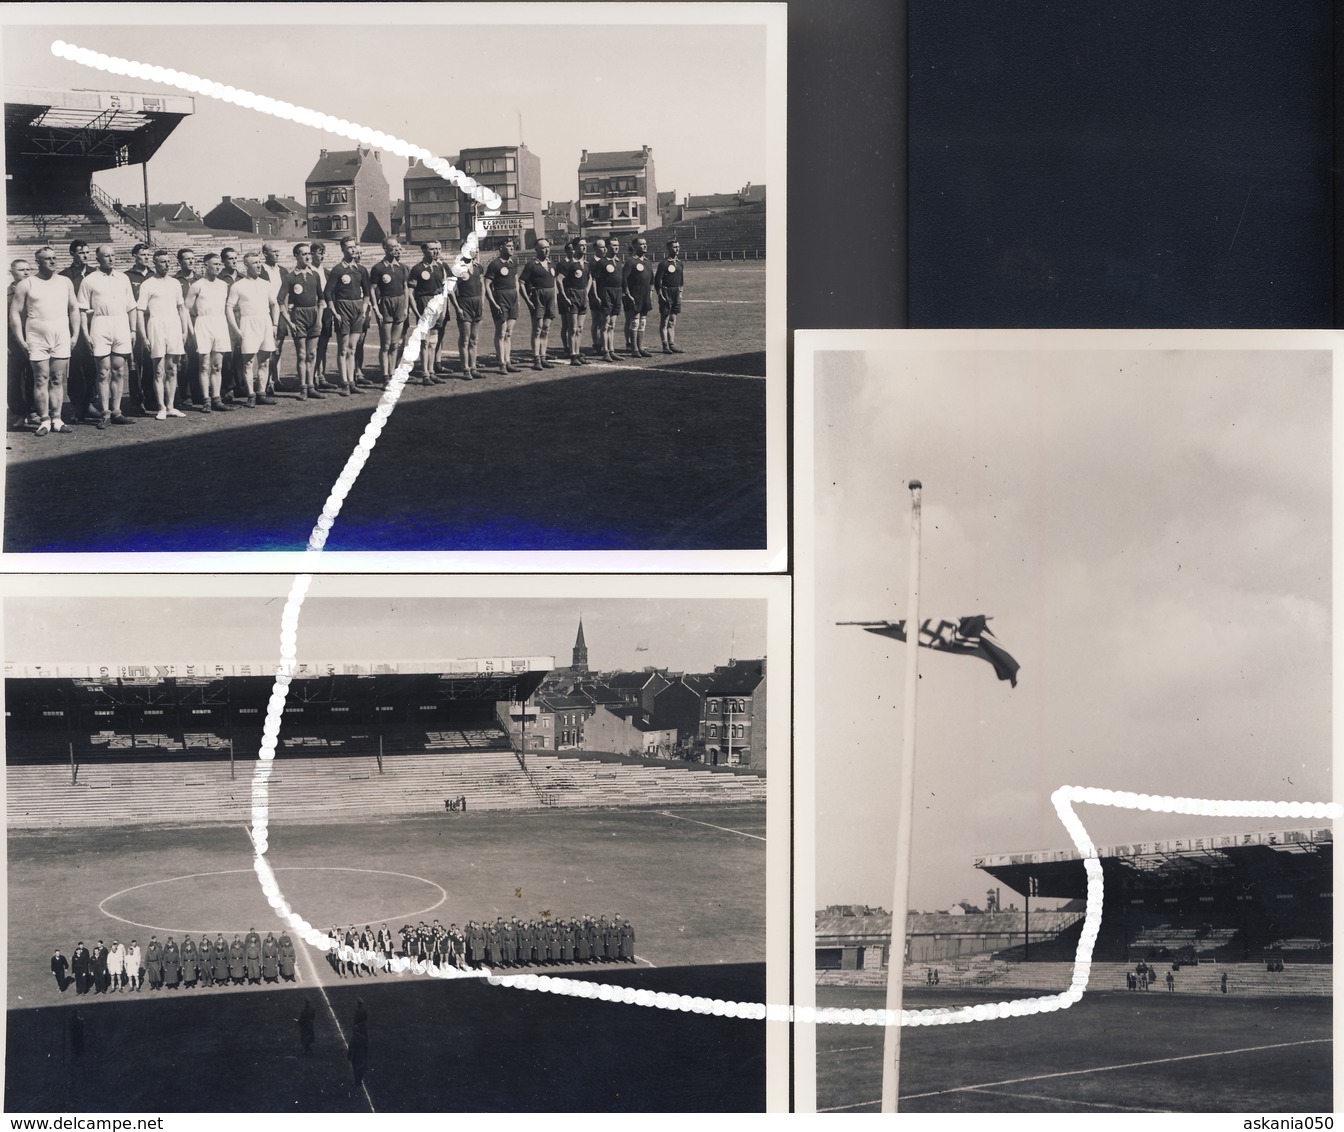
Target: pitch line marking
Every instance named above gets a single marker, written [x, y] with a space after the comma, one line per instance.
[289, 624]
[851, 1049]
[443, 894]
[709, 825]
[1121, 1065]
[856, 1104]
[1065, 1100]
[643, 960]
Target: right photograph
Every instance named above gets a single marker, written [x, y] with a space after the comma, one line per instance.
[1095, 789]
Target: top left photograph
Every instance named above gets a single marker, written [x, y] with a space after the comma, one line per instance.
[463, 287]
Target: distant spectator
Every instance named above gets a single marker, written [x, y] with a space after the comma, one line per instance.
[1223, 982]
[59, 966]
[1171, 981]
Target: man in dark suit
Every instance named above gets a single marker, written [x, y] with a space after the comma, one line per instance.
[59, 966]
[98, 967]
[80, 967]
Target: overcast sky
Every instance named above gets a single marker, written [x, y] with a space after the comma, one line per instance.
[683, 634]
[1150, 533]
[696, 94]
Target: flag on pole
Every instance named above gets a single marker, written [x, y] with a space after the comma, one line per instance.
[969, 636]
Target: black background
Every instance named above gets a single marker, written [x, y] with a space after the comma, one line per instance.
[1143, 164]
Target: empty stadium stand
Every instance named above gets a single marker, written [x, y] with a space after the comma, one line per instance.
[739, 234]
[343, 788]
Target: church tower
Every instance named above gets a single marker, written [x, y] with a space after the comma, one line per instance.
[580, 662]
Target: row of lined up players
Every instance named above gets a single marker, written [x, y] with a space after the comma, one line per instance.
[503, 942]
[104, 970]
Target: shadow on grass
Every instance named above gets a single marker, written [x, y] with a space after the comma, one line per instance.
[647, 460]
[433, 1046]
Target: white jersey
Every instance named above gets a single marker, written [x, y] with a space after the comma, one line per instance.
[207, 297]
[161, 298]
[106, 293]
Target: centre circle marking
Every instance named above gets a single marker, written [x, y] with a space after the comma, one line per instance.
[443, 894]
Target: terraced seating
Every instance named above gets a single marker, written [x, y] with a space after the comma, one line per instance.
[574, 783]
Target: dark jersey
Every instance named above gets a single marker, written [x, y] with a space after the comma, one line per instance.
[669, 274]
[538, 276]
[638, 276]
[137, 275]
[573, 274]
[346, 281]
[186, 278]
[502, 274]
[388, 279]
[469, 287]
[427, 279]
[303, 288]
[607, 272]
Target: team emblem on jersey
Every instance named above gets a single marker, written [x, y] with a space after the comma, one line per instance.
[578, 274]
[611, 267]
[424, 275]
[551, 270]
[503, 270]
[297, 288]
[639, 267]
[387, 278]
[671, 267]
[345, 279]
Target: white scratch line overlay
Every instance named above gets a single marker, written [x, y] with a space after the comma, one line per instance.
[1063, 798]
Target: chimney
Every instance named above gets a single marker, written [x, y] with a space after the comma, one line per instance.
[647, 153]
[322, 153]
[583, 158]
[270, 198]
[227, 200]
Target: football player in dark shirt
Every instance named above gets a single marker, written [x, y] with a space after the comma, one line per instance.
[389, 280]
[607, 280]
[537, 281]
[599, 322]
[465, 300]
[637, 281]
[668, 280]
[501, 292]
[427, 279]
[576, 284]
[141, 373]
[347, 293]
[301, 312]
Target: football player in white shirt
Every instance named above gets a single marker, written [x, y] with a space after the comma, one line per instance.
[252, 313]
[210, 331]
[107, 305]
[161, 318]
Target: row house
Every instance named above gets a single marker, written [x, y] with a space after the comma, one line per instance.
[347, 195]
[732, 722]
[618, 193]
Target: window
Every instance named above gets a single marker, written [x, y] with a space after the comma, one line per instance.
[713, 706]
[315, 197]
[101, 711]
[384, 707]
[713, 731]
[427, 707]
[339, 195]
[340, 709]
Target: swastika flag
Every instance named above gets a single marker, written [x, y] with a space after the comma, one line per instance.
[969, 636]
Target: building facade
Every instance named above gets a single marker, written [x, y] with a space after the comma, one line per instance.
[618, 193]
[626, 730]
[243, 214]
[732, 721]
[437, 210]
[348, 195]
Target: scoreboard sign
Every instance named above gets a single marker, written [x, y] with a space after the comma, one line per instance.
[503, 225]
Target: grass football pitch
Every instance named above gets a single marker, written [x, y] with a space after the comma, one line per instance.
[1115, 1051]
[695, 895]
[664, 454]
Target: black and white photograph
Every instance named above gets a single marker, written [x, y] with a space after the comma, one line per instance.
[1117, 547]
[495, 847]
[226, 224]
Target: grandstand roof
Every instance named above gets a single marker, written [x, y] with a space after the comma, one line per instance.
[1060, 872]
[100, 128]
[307, 669]
[878, 924]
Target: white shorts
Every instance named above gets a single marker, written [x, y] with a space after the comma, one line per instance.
[165, 337]
[212, 336]
[258, 334]
[47, 340]
[110, 334]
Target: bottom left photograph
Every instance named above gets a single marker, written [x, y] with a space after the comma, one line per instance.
[483, 845]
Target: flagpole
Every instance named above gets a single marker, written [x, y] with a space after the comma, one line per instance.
[891, 1043]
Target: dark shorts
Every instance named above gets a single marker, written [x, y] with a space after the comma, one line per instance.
[609, 302]
[305, 321]
[506, 308]
[393, 309]
[422, 305]
[544, 305]
[326, 322]
[578, 302]
[640, 304]
[348, 315]
[671, 304]
[468, 308]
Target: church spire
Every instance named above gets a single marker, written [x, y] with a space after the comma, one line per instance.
[580, 662]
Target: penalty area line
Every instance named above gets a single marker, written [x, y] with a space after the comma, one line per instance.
[708, 825]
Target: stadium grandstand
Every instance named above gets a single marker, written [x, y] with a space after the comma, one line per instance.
[146, 743]
[1255, 906]
[733, 234]
[56, 140]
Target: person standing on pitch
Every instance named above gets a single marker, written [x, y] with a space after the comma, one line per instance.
[598, 322]
[347, 293]
[44, 320]
[59, 967]
[607, 281]
[116, 956]
[142, 367]
[107, 305]
[427, 280]
[206, 298]
[390, 281]
[465, 300]
[80, 965]
[276, 275]
[252, 313]
[186, 275]
[82, 379]
[133, 962]
[668, 280]
[301, 307]
[637, 283]
[163, 325]
[501, 291]
[319, 251]
[575, 283]
[537, 282]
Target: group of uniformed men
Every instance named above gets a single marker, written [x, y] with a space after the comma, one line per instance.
[213, 341]
[107, 970]
[503, 942]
